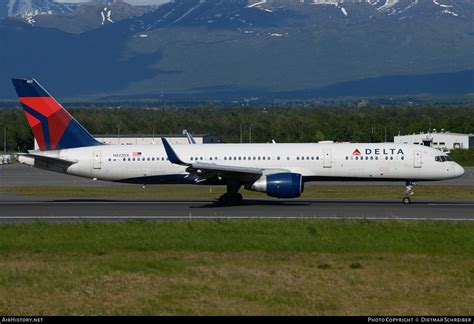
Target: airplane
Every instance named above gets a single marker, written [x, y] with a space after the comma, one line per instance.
[277, 169]
[189, 136]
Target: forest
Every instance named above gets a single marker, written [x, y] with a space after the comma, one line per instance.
[282, 123]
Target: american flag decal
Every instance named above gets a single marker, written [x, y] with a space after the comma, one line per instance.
[137, 154]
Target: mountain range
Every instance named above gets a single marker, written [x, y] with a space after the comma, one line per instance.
[232, 49]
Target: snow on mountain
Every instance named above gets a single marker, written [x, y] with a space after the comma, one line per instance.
[106, 15]
[27, 9]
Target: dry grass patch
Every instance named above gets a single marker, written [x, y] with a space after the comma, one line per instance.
[242, 283]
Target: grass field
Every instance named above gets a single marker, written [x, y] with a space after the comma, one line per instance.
[189, 191]
[238, 268]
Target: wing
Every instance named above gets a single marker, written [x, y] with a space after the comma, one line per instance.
[206, 171]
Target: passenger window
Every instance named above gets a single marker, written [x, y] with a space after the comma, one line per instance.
[264, 158]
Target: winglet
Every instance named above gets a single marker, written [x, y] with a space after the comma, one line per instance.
[172, 156]
[190, 137]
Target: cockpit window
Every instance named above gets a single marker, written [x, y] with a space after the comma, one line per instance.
[442, 158]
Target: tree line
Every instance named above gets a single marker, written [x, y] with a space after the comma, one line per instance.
[285, 123]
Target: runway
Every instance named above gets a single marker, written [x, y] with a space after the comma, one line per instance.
[76, 210]
[18, 175]
[15, 208]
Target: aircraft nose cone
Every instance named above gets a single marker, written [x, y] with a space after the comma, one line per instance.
[459, 170]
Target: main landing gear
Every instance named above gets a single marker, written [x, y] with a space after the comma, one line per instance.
[408, 192]
[231, 197]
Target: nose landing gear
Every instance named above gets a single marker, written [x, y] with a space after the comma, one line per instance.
[408, 192]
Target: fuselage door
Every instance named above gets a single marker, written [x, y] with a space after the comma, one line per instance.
[417, 159]
[97, 160]
[327, 158]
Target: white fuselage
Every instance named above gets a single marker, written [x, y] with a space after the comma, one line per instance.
[148, 164]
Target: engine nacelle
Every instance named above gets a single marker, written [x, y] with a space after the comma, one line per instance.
[279, 185]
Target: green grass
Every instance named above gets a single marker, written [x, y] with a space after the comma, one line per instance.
[463, 157]
[188, 191]
[433, 238]
[251, 267]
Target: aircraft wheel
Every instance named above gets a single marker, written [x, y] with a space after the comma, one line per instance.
[406, 200]
[224, 200]
[236, 199]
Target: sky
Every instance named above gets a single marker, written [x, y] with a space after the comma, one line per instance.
[135, 2]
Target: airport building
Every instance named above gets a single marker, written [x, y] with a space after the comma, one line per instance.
[445, 141]
[155, 139]
[151, 139]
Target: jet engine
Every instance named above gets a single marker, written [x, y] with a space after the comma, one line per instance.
[279, 185]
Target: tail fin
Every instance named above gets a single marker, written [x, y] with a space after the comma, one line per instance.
[53, 127]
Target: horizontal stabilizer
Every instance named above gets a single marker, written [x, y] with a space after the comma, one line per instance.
[49, 159]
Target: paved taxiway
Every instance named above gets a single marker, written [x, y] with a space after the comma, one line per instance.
[118, 210]
[18, 175]
[14, 208]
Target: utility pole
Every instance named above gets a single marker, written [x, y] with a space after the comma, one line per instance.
[250, 133]
[118, 133]
[4, 138]
[241, 124]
